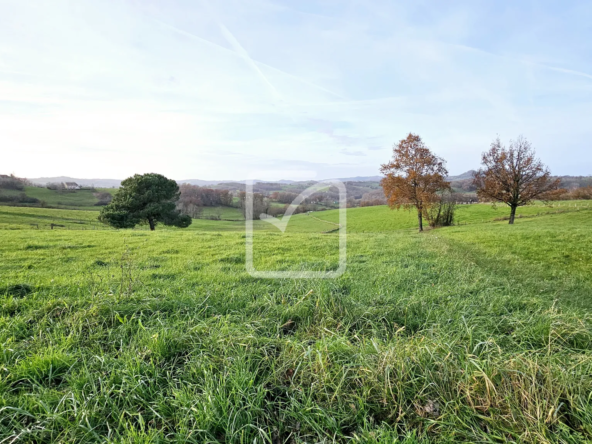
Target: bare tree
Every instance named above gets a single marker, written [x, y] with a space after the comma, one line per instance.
[513, 175]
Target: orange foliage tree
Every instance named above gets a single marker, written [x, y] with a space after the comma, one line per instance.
[413, 177]
[514, 176]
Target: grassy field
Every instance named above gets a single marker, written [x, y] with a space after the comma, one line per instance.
[381, 218]
[225, 213]
[86, 200]
[359, 220]
[476, 333]
[24, 218]
[78, 199]
[21, 218]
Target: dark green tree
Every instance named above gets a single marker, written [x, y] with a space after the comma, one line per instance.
[145, 198]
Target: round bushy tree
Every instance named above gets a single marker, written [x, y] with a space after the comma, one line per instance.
[145, 198]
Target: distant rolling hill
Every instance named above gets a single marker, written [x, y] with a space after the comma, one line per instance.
[116, 183]
[361, 179]
[99, 183]
[110, 183]
[464, 176]
[202, 183]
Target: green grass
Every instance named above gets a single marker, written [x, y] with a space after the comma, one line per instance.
[476, 333]
[15, 218]
[361, 220]
[19, 218]
[556, 242]
[225, 213]
[74, 199]
[382, 218]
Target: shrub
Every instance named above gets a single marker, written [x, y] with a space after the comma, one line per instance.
[103, 199]
[441, 213]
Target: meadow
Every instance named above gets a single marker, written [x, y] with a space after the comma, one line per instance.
[71, 200]
[473, 333]
[360, 220]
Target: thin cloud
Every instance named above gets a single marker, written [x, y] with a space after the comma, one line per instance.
[254, 62]
[352, 153]
[524, 61]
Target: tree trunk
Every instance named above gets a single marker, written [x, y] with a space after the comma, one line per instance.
[420, 220]
[512, 214]
[151, 223]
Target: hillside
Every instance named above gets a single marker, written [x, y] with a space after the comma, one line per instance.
[100, 183]
[464, 176]
[376, 219]
[461, 334]
[68, 199]
[109, 183]
[383, 219]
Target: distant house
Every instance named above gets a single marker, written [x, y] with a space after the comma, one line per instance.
[71, 185]
[4, 176]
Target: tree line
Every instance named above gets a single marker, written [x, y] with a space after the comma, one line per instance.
[276, 204]
[193, 198]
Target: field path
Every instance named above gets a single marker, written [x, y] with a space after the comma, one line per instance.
[326, 221]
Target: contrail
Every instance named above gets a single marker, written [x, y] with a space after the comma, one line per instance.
[242, 52]
[255, 63]
[306, 82]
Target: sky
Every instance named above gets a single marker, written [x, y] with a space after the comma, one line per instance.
[286, 89]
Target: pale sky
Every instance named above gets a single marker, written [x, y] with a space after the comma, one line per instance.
[226, 89]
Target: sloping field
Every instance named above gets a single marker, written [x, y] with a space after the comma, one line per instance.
[19, 218]
[78, 199]
[382, 218]
[360, 220]
[477, 333]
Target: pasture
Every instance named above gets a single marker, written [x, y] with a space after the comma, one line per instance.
[66, 199]
[360, 220]
[474, 333]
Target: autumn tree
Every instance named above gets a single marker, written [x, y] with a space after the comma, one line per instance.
[414, 177]
[147, 198]
[513, 176]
